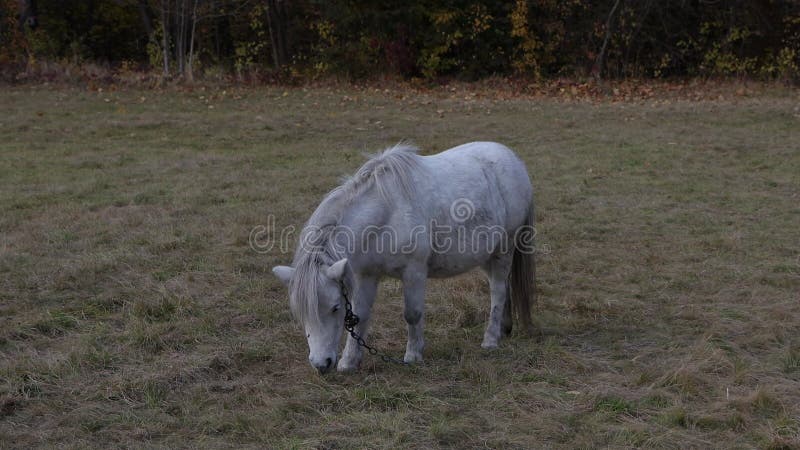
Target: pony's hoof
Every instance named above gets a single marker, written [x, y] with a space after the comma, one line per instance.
[346, 367]
[412, 357]
[487, 345]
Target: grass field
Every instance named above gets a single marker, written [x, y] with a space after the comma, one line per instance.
[133, 311]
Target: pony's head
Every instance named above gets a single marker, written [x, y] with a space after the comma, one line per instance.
[316, 300]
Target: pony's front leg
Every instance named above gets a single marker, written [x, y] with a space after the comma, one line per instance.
[362, 301]
[414, 312]
[500, 311]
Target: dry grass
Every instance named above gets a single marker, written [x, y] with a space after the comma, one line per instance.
[133, 312]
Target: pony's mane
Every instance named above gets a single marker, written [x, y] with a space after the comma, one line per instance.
[316, 248]
[387, 171]
[391, 168]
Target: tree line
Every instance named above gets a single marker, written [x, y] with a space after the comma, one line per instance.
[411, 38]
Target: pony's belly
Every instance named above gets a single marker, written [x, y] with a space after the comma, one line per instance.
[449, 267]
[446, 273]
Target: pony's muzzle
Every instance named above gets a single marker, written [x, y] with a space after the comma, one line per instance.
[323, 366]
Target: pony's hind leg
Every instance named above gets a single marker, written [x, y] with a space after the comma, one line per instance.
[508, 323]
[500, 311]
[414, 312]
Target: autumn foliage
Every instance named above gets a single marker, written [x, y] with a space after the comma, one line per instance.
[461, 39]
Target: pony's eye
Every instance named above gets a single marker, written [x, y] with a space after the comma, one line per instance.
[335, 309]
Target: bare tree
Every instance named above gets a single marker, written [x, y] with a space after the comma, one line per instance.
[165, 34]
[179, 19]
[597, 70]
[178, 26]
[277, 18]
[189, 72]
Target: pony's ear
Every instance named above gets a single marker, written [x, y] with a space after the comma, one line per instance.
[284, 273]
[336, 271]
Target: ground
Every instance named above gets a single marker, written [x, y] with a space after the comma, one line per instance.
[134, 311]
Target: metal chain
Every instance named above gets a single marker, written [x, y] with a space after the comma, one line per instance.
[351, 319]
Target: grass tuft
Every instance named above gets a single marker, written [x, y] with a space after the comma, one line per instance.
[791, 362]
[56, 323]
[675, 417]
[154, 394]
[616, 405]
[161, 309]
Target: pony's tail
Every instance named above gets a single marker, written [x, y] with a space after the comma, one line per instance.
[523, 273]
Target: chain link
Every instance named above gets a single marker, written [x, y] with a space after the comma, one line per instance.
[351, 319]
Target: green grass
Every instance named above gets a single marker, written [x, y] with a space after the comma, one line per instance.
[133, 311]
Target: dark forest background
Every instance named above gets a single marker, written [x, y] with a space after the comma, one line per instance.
[426, 39]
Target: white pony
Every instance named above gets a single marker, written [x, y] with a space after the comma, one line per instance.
[413, 217]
